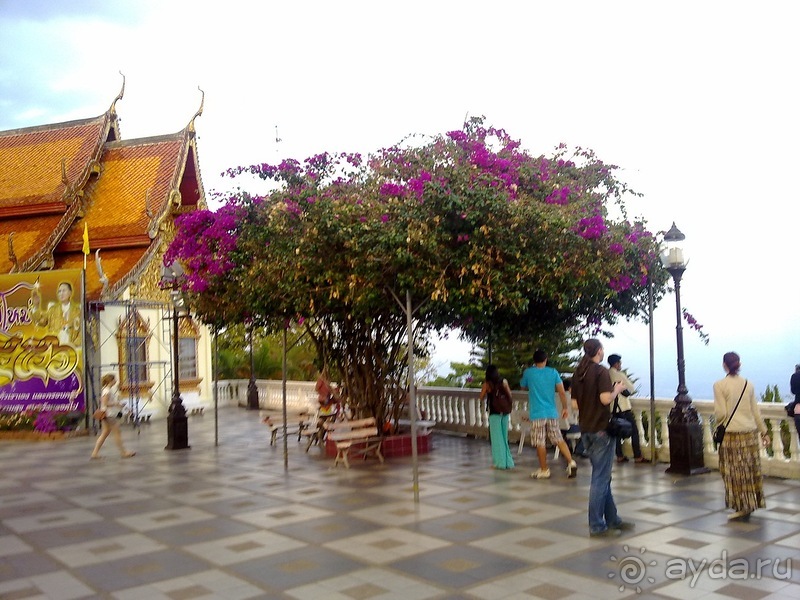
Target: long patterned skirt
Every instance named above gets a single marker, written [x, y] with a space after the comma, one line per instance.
[740, 466]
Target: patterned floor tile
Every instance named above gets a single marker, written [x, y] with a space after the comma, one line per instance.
[233, 517]
[239, 548]
[386, 545]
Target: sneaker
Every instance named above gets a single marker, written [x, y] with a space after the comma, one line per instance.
[624, 526]
[606, 533]
[541, 474]
[572, 469]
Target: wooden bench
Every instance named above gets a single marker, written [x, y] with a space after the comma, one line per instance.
[316, 429]
[359, 437]
[295, 424]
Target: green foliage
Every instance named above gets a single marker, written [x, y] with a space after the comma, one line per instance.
[512, 356]
[646, 426]
[42, 421]
[772, 395]
[461, 375]
[234, 355]
[22, 421]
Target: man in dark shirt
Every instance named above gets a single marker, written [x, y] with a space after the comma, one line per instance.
[592, 388]
[794, 383]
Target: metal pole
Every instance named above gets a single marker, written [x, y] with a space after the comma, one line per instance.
[177, 422]
[653, 457]
[683, 392]
[216, 386]
[412, 396]
[283, 393]
[176, 392]
[685, 426]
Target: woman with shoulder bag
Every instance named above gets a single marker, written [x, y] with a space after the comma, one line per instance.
[739, 452]
[109, 402]
[497, 390]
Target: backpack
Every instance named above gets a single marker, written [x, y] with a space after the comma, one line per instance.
[501, 401]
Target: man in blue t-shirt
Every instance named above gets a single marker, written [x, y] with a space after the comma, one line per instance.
[543, 383]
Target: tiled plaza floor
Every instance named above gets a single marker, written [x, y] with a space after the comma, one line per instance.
[232, 521]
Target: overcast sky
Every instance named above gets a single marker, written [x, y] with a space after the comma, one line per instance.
[696, 101]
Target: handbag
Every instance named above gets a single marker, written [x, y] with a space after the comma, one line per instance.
[619, 426]
[719, 432]
[501, 402]
[99, 414]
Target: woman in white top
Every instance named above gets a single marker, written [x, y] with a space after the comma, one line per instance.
[109, 402]
[739, 453]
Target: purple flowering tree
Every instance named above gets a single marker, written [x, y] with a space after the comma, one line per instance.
[485, 237]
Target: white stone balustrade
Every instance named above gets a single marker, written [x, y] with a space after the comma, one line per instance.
[460, 411]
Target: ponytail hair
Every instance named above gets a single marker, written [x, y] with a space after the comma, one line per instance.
[590, 349]
[733, 362]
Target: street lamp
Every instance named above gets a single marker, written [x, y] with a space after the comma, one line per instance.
[177, 421]
[685, 426]
[252, 389]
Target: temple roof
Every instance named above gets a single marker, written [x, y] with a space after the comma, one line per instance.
[56, 178]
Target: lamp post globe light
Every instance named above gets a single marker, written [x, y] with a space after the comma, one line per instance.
[177, 421]
[685, 425]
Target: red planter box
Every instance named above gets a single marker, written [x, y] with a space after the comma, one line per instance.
[392, 446]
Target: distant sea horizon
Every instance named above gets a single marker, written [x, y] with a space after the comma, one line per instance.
[703, 366]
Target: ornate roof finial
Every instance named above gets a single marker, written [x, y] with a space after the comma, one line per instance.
[113, 108]
[68, 196]
[11, 255]
[64, 179]
[103, 278]
[199, 110]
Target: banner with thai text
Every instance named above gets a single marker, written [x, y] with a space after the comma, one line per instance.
[41, 341]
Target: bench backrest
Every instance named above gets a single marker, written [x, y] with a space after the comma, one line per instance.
[349, 430]
[350, 425]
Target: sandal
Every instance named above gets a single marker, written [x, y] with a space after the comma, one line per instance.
[128, 454]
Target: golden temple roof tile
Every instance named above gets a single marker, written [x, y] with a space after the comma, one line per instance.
[117, 264]
[136, 178]
[31, 160]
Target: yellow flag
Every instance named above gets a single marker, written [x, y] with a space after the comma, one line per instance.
[85, 238]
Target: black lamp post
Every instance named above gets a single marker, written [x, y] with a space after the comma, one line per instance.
[252, 388]
[177, 421]
[685, 425]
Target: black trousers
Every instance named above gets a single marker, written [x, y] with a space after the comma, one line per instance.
[637, 450]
